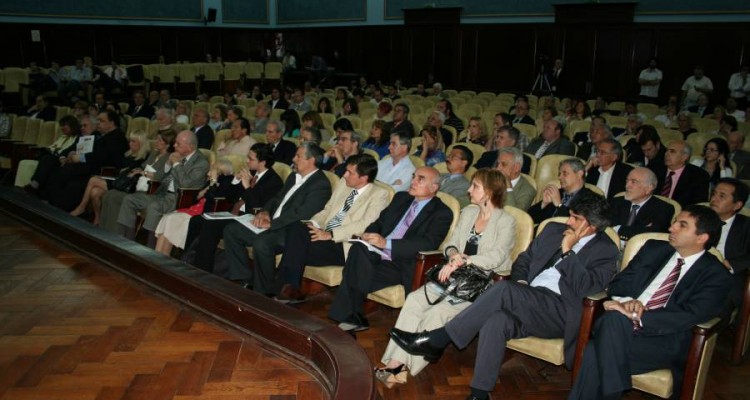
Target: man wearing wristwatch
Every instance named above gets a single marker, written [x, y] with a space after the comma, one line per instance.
[543, 298]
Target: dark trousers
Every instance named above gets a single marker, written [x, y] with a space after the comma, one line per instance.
[266, 245]
[48, 164]
[615, 353]
[303, 251]
[508, 310]
[364, 272]
[66, 186]
[210, 234]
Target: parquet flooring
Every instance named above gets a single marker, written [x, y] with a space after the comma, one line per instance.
[73, 329]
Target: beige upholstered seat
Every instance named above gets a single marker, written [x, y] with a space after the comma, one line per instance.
[524, 230]
[547, 168]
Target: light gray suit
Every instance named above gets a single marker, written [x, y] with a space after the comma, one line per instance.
[521, 196]
[456, 186]
[185, 174]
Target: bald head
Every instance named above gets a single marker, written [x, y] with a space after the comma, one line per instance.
[425, 183]
[186, 143]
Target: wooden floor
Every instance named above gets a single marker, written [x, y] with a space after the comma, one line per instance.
[73, 329]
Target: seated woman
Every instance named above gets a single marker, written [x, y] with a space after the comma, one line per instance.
[432, 149]
[384, 111]
[54, 156]
[685, 124]
[484, 236]
[233, 114]
[475, 132]
[138, 151]
[349, 107]
[380, 136]
[239, 141]
[152, 169]
[218, 115]
[257, 189]
[715, 160]
[173, 227]
[311, 119]
[290, 118]
[324, 106]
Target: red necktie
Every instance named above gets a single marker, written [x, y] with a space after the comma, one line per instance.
[661, 296]
[667, 188]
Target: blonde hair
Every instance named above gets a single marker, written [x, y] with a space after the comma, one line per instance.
[145, 148]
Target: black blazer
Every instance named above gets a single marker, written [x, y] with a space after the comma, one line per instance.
[654, 216]
[524, 120]
[489, 159]
[282, 104]
[737, 252]
[559, 146]
[692, 187]
[284, 152]
[48, 113]
[539, 214]
[707, 110]
[582, 274]
[405, 127]
[304, 203]
[617, 183]
[145, 111]
[109, 151]
[427, 231]
[266, 188]
[205, 136]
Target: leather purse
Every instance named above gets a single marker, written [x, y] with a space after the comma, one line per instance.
[465, 283]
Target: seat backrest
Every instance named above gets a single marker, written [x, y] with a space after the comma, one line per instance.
[372, 153]
[354, 119]
[219, 137]
[387, 187]
[698, 140]
[139, 124]
[18, 128]
[47, 134]
[283, 170]
[273, 70]
[476, 150]
[524, 230]
[33, 127]
[526, 129]
[613, 236]
[636, 242]
[547, 168]
[455, 207]
[238, 162]
[210, 156]
[418, 162]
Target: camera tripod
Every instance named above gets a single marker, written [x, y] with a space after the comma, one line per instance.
[541, 84]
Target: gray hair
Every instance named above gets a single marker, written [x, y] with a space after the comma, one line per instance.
[687, 150]
[280, 127]
[574, 163]
[192, 138]
[650, 177]
[515, 152]
[312, 150]
[616, 146]
[440, 115]
[168, 112]
[402, 139]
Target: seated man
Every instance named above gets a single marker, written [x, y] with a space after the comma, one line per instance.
[505, 136]
[678, 179]
[632, 125]
[606, 170]
[401, 123]
[202, 130]
[445, 107]
[727, 200]
[354, 205]
[262, 113]
[666, 290]
[139, 107]
[646, 149]
[397, 169]
[347, 145]
[283, 150]
[454, 182]
[520, 192]
[555, 201]
[187, 168]
[551, 142]
[564, 264]
[639, 211]
[413, 222]
[522, 113]
[303, 195]
[587, 141]
[436, 119]
[741, 158]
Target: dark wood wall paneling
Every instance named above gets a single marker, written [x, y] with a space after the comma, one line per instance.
[602, 60]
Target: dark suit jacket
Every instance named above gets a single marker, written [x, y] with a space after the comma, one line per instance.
[109, 151]
[304, 203]
[539, 214]
[266, 187]
[205, 137]
[700, 294]
[48, 113]
[405, 127]
[427, 231]
[737, 252]
[525, 120]
[654, 216]
[617, 183]
[145, 111]
[284, 152]
[560, 146]
[706, 111]
[692, 187]
[281, 104]
[489, 159]
[584, 150]
[582, 274]
[741, 159]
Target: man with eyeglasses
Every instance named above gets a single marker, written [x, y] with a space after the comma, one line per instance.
[605, 170]
[347, 145]
[454, 182]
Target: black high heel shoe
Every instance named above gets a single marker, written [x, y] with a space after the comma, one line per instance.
[391, 376]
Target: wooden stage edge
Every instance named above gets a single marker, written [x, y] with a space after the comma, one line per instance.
[331, 355]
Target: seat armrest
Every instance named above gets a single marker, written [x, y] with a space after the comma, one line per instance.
[591, 309]
[221, 204]
[702, 333]
[743, 320]
[153, 186]
[425, 260]
[186, 197]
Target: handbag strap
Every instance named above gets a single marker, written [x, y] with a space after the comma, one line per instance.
[448, 290]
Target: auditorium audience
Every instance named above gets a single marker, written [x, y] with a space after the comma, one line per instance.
[378, 141]
[475, 133]
[678, 179]
[556, 200]
[685, 124]
[741, 158]
[347, 145]
[54, 156]
[702, 108]
[283, 150]
[42, 109]
[139, 107]
[520, 192]
[551, 141]
[262, 113]
[401, 123]
[324, 105]
[202, 129]
[446, 107]
[432, 149]
[239, 141]
[606, 170]
[397, 169]
[454, 182]
[522, 114]
[715, 160]
[291, 121]
[638, 210]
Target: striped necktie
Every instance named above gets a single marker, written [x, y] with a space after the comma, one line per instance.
[633, 213]
[339, 217]
[667, 188]
[661, 296]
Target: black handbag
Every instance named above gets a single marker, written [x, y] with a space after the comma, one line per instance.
[125, 183]
[465, 283]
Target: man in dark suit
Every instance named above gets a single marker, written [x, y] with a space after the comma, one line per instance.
[304, 194]
[258, 190]
[646, 149]
[551, 142]
[277, 100]
[283, 150]
[587, 141]
[703, 107]
[638, 211]
[665, 290]
[202, 131]
[555, 201]
[414, 221]
[679, 180]
[556, 78]
[605, 170]
[505, 136]
[564, 264]
[347, 145]
[522, 113]
[139, 108]
[727, 200]
[67, 184]
[187, 169]
[42, 109]
[401, 123]
[741, 158]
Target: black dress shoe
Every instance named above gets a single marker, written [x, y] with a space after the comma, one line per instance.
[417, 344]
[472, 397]
[244, 284]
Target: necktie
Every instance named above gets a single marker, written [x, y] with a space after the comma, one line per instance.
[661, 296]
[339, 217]
[540, 152]
[667, 188]
[633, 213]
[254, 181]
[400, 230]
[565, 199]
[137, 108]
